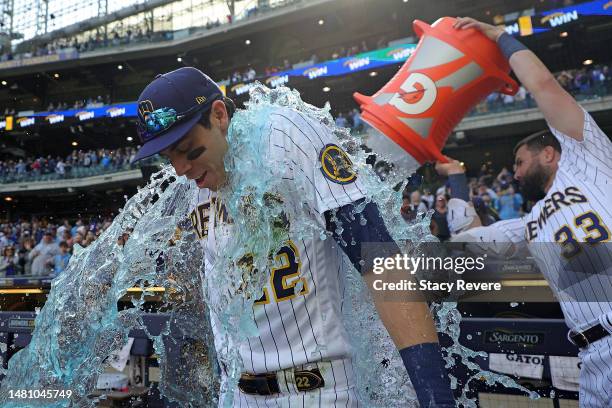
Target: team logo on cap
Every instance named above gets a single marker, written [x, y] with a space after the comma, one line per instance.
[336, 165]
[145, 107]
[200, 99]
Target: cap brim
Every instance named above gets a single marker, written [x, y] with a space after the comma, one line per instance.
[167, 139]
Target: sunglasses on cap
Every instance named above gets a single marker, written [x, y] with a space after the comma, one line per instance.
[162, 119]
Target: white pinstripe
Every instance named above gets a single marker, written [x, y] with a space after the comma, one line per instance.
[583, 284]
[307, 328]
[338, 390]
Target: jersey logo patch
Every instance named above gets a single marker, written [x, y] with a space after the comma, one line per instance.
[336, 165]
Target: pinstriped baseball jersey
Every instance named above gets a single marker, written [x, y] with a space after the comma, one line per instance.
[569, 232]
[298, 316]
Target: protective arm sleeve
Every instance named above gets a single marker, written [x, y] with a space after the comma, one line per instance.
[422, 361]
[502, 239]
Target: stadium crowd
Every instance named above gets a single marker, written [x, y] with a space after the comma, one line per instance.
[87, 103]
[41, 247]
[104, 37]
[494, 195]
[594, 81]
[31, 168]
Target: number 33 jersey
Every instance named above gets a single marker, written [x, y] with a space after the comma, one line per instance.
[298, 315]
[569, 231]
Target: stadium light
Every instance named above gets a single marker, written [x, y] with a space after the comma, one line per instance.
[563, 34]
[75, 144]
[373, 73]
[119, 67]
[129, 138]
[4, 83]
[587, 62]
[405, 1]
[247, 42]
[56, 75]
[326, 89]
[179, 59]
[321, 22]
[8, 199]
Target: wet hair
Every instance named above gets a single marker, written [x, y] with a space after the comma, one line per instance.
[229, 105]
[538, 141]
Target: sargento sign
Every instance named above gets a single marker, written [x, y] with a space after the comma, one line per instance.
[508, 337]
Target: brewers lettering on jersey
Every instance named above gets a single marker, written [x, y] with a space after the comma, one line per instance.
[568, 229]
[300, 355]
[569, 234]
[298, 316]
[563, 229]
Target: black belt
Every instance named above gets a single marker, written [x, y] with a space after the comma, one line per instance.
[588, 336]
[267, 384]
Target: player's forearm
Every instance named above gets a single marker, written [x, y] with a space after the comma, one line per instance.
[558, 107]
[531, 72]
[408, 322]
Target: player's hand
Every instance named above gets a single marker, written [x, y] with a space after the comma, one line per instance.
[491, 31]
[452, 167]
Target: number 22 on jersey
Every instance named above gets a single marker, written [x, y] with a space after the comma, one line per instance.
[285, 277]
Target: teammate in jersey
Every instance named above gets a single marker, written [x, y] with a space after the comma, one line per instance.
[301, 356]
[567, 170]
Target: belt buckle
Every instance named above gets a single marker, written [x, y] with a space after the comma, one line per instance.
[257, 384]
[308, 380]
[581, 335]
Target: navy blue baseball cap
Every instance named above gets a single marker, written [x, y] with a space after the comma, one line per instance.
[170, 106]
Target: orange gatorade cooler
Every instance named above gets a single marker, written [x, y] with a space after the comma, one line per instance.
[449, 72]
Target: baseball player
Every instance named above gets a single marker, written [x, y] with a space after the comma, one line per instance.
[567, 170]
[300, 356]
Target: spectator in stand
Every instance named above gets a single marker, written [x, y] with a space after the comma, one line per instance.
[4, 242]
[106, 161]
[483, 188]
[67, 238]
[9, 264]
[416, 202]
[358, 123]
[89, 238]
[42, 254]
[341, 121]
[60, 168]
[60, 261]
[61, 229]
[509, 202]
[439, 224]
[428, 198]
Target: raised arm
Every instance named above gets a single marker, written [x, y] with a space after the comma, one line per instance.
[409, 322]
[558, 107]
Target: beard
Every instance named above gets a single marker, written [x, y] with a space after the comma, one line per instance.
[533, 183]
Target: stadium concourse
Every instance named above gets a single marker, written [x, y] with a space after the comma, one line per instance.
[71, 71]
